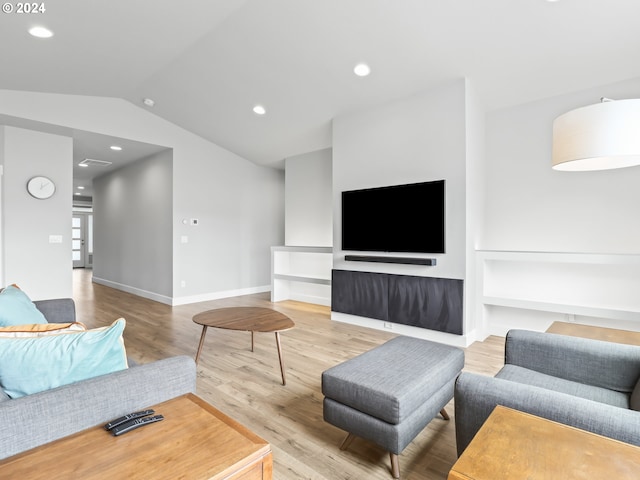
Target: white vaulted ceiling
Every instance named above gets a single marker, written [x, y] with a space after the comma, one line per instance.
[206, 63]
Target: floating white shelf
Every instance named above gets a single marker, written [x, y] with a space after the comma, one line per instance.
[301, 273]
[568, 309]
[601, 286]
[302, 278]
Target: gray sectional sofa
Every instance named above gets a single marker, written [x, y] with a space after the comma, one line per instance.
[588, 384]
[33, 420]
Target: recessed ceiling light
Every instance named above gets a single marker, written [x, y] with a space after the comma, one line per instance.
[148, 102]
[77, 193]
[115, 147]
[259, 110]
[80, 187]
[83, 165]
[41, 32]
[362, 70]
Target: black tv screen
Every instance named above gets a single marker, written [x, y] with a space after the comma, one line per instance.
[401, 218]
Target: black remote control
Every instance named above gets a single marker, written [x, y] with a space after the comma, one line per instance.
[135, 423]
[128, 417]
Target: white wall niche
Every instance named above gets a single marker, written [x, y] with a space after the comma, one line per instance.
[556, 286]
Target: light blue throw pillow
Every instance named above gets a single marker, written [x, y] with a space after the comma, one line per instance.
[16, 308]
[31, 365]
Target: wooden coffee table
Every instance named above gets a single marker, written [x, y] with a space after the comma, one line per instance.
[194, 441]
[596, 333]
[513, 445]
[247, 319]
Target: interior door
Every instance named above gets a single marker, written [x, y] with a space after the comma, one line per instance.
[78, 227]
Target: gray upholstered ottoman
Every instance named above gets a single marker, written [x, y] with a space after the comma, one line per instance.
[390, 393]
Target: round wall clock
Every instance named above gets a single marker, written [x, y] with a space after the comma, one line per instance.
[41, 187]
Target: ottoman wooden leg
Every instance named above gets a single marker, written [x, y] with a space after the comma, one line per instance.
[347, 441]
[444, 414]
[395, 465]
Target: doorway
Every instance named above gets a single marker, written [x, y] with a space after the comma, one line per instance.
[82, 240]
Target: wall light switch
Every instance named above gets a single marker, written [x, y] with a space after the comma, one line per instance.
[184, 239]
[55, 238]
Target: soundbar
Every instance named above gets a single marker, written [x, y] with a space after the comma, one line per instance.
[403, 260]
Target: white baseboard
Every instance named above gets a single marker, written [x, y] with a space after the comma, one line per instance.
[135, 291]
[205, 297]
[175, 301]
[316, 300]
[408, 330]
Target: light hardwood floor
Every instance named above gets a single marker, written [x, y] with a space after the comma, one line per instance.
[247, 386]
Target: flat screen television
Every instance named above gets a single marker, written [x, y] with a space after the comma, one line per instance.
[401, 218]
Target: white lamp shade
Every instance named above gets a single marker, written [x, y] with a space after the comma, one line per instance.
[598, 137]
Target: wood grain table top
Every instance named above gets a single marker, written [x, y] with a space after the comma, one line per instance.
[249, 319]
[194, 441]
[513, 445]
[596, 333]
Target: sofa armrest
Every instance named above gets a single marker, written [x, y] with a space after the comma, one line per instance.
[57, 310]
[34, 420]
[602, 364]
[476, 396]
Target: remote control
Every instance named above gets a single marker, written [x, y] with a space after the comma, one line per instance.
[135, 423]
[128, 417]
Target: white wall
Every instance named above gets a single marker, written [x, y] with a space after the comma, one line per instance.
[308, 200]
[2, 283]
[475, 196]
[42, 269]
[531, 207]
[240, 205]
[416, 139]
[133, 227]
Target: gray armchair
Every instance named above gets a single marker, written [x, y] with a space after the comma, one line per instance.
[587, 384]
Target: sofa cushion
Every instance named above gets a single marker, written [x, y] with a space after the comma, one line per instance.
[57, 310]
[523, 375]
[30, 365]
[16, 308]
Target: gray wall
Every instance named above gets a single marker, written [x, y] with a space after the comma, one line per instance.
[309, 197]
[133, 226]
[241, 205]
[240, 212]
[42, 269]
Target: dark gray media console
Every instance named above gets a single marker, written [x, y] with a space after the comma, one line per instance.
[426, 302]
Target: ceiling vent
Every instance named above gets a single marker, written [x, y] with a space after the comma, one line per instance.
[89, 162]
